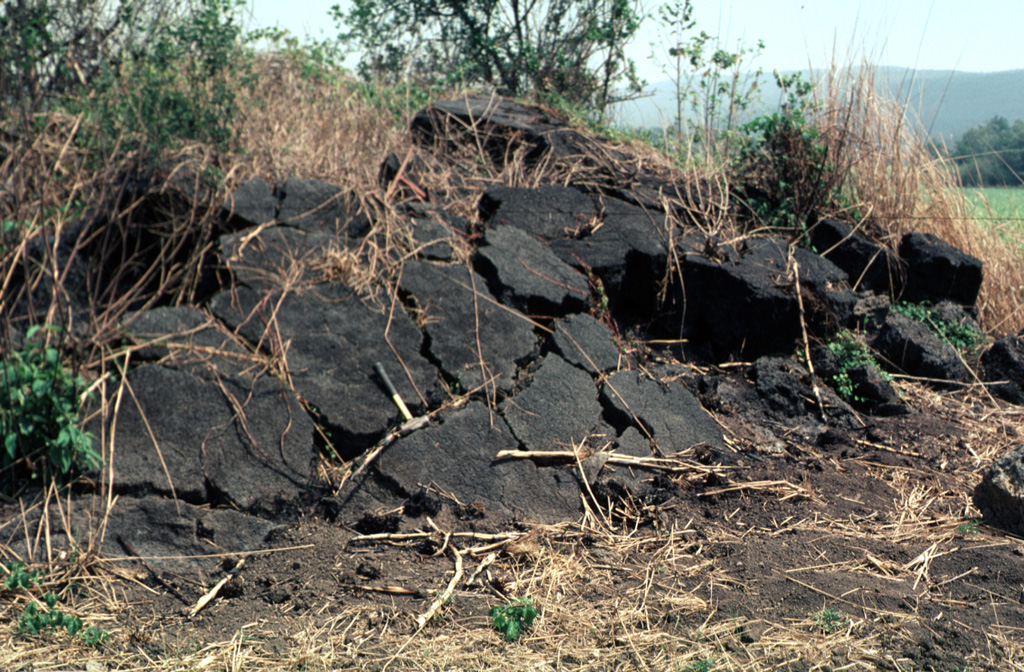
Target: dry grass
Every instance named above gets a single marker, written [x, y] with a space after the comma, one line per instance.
[899, 185]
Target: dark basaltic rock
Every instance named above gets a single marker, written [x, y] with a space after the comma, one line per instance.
[434, 239]
[459, 457]
[937, 271]
[464, 324]
[524, 274]
[173, 536]
[744, 305]
[279, 257]
[1003, 364]
[666, 412]
[872, 392]
[250, 205]
[316, 206]
[185, 338]
[625, 246]
[502, 127]
[548, 212]
[239, 441]
[330, 341]
[911, 347]
[557, 409]
[870, 266]
[586, 342]
[1000, 495]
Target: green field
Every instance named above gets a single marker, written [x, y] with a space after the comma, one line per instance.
[1004, 203]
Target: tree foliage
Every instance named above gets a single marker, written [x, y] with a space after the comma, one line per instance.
[992, 154]
[568, 49]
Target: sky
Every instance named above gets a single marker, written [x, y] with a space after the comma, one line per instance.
[922, 34]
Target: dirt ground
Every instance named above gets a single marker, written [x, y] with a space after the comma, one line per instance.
[859, 550]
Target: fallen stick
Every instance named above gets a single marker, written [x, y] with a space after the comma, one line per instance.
[205, 599]
[443, 598]
[613, 458]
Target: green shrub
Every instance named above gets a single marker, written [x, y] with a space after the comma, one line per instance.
[963, 337]
[851, 353]
[829, 620]
[511, 619]
[39, 406]
[572, 48]
[785, 164]
[180, 86]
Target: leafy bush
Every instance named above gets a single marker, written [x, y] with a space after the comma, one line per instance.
[850, 353]
[511, 619]
[963, 337]
[39, 405]
[179, 86]
[992, 153]
[786, 165]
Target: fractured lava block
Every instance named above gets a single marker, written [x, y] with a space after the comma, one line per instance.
[330, 341]
[466, 329]
[459, 456]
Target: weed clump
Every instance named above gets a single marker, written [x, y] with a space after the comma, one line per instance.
[850, 353]
[511, 619]
[962, 336]
[39, 407]
[36, 619]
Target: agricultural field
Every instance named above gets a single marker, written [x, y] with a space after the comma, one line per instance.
[1002, 203]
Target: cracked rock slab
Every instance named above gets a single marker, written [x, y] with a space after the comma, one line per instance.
[673, 417]
[237, 441]
[466, 327]
[557, 409]
[525, 274]
[459, 457]
[330, 341]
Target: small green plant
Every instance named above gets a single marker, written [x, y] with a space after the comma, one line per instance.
[39, 405]
[511, 619]
[970, 528]
[850, 353]
[829, 620]
[702, 665]
[36, 619]
[963, 337]
[18, 579]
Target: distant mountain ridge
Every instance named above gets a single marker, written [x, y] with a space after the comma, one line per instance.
[946, 102]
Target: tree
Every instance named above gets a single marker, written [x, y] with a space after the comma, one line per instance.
[568, 49]
[992, 153]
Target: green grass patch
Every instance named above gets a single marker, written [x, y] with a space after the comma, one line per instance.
[1002, 203]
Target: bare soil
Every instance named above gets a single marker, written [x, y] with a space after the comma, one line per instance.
[857, 551]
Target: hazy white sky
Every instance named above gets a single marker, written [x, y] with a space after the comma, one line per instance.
[980, 36]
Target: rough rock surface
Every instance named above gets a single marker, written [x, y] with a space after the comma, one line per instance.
[475, 341]
[666, 412]
[459, 456]
[330, 341]
[252, 447]
[910, 346]
[868, 265]
[558, 409]
[936, 271]
[1000, 495]
[1003, 364]
[743, 302]
[526, 275]
[584, 341]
